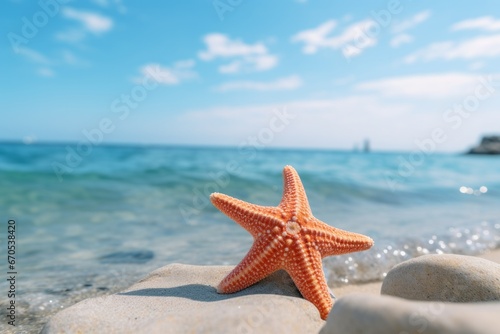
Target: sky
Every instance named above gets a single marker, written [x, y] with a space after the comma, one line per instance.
[406, 75]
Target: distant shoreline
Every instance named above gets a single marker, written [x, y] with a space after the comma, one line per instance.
[218, 147]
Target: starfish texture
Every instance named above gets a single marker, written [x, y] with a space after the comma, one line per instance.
[287, 237]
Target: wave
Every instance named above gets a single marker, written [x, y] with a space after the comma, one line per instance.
[373, 265]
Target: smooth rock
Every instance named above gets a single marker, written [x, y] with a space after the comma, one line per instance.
[445, 277]
[183, 298]
[370, 314]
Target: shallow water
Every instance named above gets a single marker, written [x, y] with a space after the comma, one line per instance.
[121, 212]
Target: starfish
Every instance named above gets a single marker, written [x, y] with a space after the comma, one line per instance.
[287, 237]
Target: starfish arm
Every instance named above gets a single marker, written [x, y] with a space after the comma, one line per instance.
[334, 241]
[263, 259]
[294, 195]
[306, 271]
[253, 218]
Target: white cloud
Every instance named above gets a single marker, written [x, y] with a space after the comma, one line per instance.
[407, 24]
[71, 59]
[116, 3]
[33, 56]
[219, 45]
[399, 28]
[45, 72]
[287, 83]
[260, 63]
[476, 65]
[265, 62]
[478, 47]
[485, 23]
[244, 57]
[92, 22]
[232, 67]
[316, 37]
[71, 35]
[184, 64]
[339, 122]
[328, 123]
[389, 123]
[352, 40]
[401, 39]
[180, 71]
[427, 86]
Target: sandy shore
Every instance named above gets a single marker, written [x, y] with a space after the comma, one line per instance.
[180, 298]
[374, 288]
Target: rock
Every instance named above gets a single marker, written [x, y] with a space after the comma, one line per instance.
[370, 314]
[489, 145]
[182, 298]
[445, 277]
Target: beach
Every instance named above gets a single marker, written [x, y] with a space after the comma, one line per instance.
[242, 166]
[128, 210]
[434, 294]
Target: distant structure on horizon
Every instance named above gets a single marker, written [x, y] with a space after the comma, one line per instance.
[488, 145]
[366, 146]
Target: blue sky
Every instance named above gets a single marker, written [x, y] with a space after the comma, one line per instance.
[318, 74]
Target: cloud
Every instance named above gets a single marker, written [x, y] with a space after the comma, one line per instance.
[476, 65]
[184, 64]
[342, 122]
[106, 3]
[180, 71]
[478, 47]
[244, 57]
[70, 58]
[427, 86]
[92, 22]
[45, 72]
[401, 39]
[71, 35]
[485, 23]
[401, 26]
[36, 57]
[352, 40]
[33, 56]
[287, 83]
[260, 63]
[325, 123]
[316, 37]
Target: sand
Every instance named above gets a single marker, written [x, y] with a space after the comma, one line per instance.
[182, 298]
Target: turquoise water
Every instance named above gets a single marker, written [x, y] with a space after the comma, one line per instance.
[94, 223]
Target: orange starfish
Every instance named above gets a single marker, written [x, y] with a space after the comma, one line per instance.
[287, 237]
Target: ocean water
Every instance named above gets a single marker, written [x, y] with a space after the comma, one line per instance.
[92, 224]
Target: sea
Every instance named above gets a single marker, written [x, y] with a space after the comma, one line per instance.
[90, 221]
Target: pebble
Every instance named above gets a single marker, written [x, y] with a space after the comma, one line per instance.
[445, 277]
[372, 314]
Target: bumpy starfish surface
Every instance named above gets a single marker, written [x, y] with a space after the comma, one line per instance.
[287, 237]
